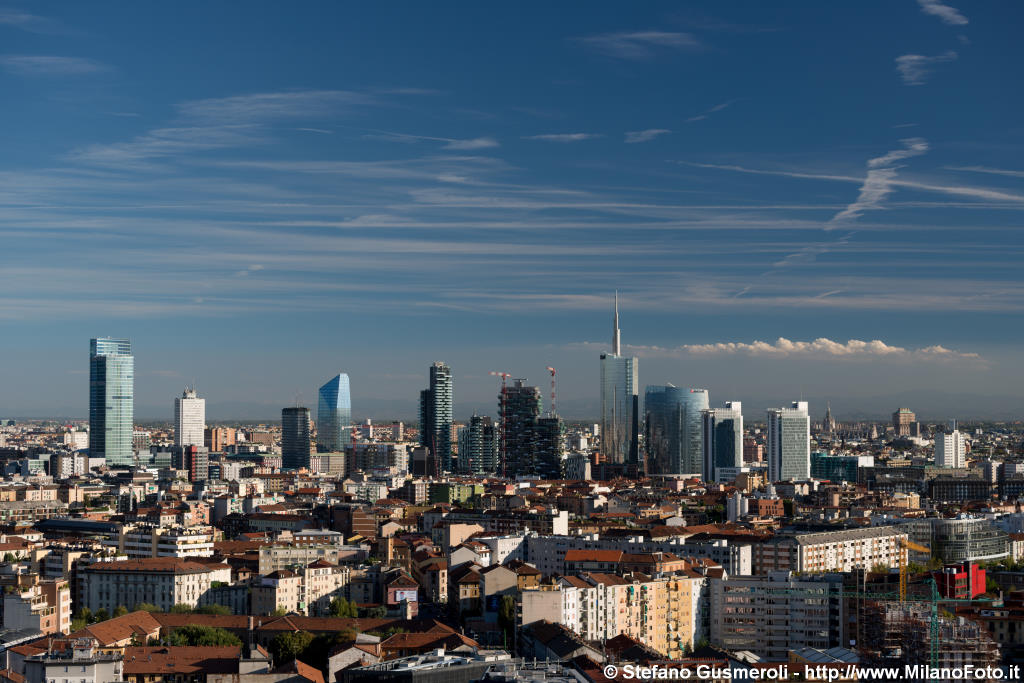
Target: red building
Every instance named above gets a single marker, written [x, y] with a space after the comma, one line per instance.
[960, 581]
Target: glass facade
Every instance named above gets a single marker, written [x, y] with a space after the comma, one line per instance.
[619, 408]
[674, 439]
[295, 443]
[111, 400]
[723, 438]
[789, 443]
[334, 416]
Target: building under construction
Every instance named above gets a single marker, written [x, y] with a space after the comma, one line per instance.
[895, 634]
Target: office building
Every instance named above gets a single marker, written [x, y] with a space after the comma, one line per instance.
[334, 416]
[189, 419]
[295, 443]
[436, 417]
[722, 438]
[673, 429]
[620, 403]
[950, 449]
[903, 421]
[789, 443]
[479, 446]
[111, 400]
[520, 406]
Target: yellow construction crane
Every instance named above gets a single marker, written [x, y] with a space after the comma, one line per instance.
[904, 546]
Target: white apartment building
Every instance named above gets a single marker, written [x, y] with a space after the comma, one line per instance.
[950, 449]
[145, 540]
[831, 551]
[163, 582]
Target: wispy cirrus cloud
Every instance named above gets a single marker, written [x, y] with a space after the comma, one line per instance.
[636, 136]
[962, 191]
[948, 15]
[263, 107]
[639, 45]
[878, 183]
[563, 137]
[449, 143]
[49, 65]
[914, 69]
[712, 110]
[986, 169]
[822, 347]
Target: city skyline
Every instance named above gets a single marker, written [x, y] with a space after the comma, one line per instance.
[767, 209]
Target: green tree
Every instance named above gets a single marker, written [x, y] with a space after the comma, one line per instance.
[120, 611]
[879, 568]
[507, 617]
[84, 614]
[340, 607]
[286, 647]
[214, 609]
[279, 612]
[194, 634]
[378, 612]
[181, 608]
[991, 587]
[78, 625]
[101, 614]
[147, 607]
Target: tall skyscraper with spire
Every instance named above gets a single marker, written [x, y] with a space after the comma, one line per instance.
[620, 402]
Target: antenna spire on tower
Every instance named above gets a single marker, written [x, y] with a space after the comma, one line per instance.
[616, 338]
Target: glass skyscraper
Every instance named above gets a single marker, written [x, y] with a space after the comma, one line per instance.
[478, 446]
[334, 416]
[620, 419]
[436, 417]
[295, 444]
[789, 443]
[723, 439]
[111, 400]
[674, 440]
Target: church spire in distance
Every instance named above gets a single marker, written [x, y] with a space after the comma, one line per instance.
[615, 336]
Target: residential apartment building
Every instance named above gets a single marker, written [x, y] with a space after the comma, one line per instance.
[774, 614]
[163, 582]
[831, 551]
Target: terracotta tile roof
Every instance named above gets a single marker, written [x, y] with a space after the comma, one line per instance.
[593, 555]
[181, 660]
[12, 676]
[140, 624]
[308, 672]
[162, 565]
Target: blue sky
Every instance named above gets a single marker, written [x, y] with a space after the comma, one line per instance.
[263, 195]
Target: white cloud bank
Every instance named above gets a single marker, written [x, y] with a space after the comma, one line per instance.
[819, 348]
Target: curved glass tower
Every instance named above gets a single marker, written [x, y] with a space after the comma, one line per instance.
[111, 400]
[334, 416]
[675, 440]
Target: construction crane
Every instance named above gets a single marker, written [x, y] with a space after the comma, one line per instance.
[934, 598]
[552, 371]
[906, 545]
[501, 404]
